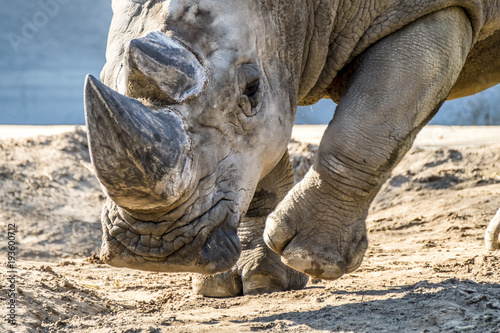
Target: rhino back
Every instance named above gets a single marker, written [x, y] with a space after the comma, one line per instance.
[359, 24]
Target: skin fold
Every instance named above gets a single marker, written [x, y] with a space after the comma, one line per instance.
[189, 129]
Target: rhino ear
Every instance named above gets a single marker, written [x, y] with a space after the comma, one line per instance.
[159, 68]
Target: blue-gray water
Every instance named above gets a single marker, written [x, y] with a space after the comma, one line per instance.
[48, 46]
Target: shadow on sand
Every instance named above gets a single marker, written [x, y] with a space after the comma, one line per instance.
[448, 306]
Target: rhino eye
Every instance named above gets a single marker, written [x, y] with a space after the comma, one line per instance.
[251, 91]
[249, 81]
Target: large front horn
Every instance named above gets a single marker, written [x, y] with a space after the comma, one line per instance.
[142, 157]
[159, 68]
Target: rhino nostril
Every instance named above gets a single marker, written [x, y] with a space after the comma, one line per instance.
[157, 137]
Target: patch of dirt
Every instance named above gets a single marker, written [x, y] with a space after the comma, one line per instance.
[426, 269]
[47, 190]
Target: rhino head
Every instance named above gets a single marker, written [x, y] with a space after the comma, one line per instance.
[196, 106]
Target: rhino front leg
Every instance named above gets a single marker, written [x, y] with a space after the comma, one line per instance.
[259, 270]
[392, 90]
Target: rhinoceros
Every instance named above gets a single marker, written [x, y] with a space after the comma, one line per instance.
[188, 130]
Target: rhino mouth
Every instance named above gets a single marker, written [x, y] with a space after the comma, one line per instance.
[204, 242]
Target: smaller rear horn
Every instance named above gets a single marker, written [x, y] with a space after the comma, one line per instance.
[156, 66]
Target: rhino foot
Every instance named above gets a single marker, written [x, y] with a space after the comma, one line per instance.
[258, 271]
[312, 239]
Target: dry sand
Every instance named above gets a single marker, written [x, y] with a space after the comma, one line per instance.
[429, 136]
[426, 269]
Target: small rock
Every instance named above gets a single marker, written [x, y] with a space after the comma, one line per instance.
[477, 299]
[493, 305]
[46, 268]
[68, 285]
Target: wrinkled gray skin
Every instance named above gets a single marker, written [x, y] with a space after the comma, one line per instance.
[190, 142]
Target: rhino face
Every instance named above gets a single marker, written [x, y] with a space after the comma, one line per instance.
[196, 108]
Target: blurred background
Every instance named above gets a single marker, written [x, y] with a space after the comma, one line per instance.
[48, 46]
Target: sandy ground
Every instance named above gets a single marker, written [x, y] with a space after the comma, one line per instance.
[426, 269]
